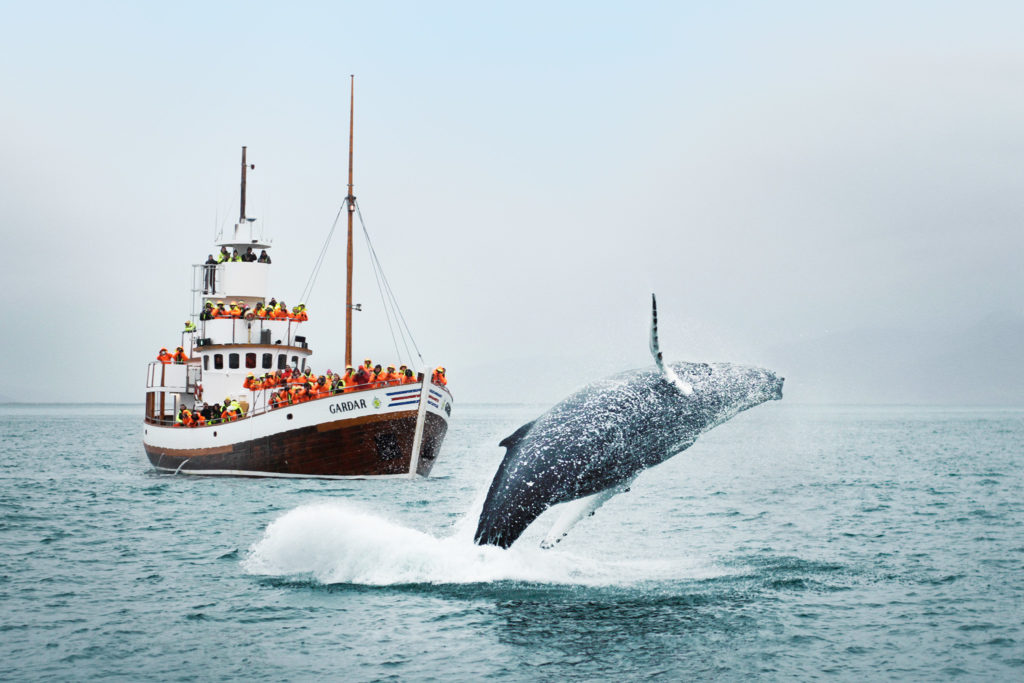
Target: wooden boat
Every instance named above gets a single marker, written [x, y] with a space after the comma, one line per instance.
[367, 430]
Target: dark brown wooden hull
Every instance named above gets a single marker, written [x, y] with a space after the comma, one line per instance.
[372, 445]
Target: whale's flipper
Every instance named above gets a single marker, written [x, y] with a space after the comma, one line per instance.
[572, 512]
[666, 370]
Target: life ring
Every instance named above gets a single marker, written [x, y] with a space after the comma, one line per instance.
[249, 315]
[199, 392]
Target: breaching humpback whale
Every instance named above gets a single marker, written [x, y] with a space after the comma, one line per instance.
[595, 442]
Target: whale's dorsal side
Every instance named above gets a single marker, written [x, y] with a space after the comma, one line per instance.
[666, 370]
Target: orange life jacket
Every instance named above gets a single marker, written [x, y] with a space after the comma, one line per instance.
[165, 358]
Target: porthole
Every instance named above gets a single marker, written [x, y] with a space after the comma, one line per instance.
[289, 416]
[215, 433]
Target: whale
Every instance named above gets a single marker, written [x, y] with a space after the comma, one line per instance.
[592, 445]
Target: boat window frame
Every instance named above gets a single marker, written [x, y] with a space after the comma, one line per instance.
[218, 361]
[268, 361]
[282, 361]
[234, 362]
[250, 360]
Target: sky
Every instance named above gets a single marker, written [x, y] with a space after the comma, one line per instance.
[529, 173]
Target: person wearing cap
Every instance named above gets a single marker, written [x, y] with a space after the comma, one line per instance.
[206, 313]
[223, 255]
[179, 356]
[348, 380]
[390, 377]
[264, 257]
[189, 327]
[235, 256]
[248, 256]
[164, 357]
[368, 364]
[299, 313]
[438, 377]
[247, 384]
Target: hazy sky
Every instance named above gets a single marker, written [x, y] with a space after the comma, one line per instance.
[775, 171]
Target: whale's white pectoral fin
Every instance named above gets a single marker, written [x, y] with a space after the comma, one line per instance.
[666, 370]
[572, 512]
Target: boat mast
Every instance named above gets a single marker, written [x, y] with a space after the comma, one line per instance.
[241, 210]
[350, 200]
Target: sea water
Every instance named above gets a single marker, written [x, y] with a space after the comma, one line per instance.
[794, 542]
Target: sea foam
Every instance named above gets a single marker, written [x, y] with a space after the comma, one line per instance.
[336, 542]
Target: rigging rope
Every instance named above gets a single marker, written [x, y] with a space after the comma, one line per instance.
[308, 291]
[388, 298]
[397, 311]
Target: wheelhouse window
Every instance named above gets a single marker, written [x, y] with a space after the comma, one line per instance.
[268, 361]
[282, 361]
[233, 361]
[250, 360]
[218, 361]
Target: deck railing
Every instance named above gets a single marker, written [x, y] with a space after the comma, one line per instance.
[260, 404]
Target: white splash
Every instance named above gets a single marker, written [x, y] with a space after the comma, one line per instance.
[335, 542]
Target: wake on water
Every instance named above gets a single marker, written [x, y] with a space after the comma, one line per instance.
[338, 543]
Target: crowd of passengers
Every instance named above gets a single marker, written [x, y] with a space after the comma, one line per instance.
[210, 414]
[273, 310]
[210, 276]
[290, 386]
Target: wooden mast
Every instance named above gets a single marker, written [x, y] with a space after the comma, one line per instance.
[350, 200]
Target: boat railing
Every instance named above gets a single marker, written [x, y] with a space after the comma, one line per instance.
[260, 404]
[251, 331]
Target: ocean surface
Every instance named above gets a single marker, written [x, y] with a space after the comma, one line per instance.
[794, 542]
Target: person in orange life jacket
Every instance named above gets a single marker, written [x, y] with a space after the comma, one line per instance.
[409, 378]
[362, 376]
[348, 380]
[247, 384]
[198, 420]
[438, 377]
[264, 258]
[179, 356]
[220, 311]
[184, 417]
[368, 364]
[210, 275]
[377, 372]
[390, 376]
[259, 311]
[299, 313]
[164, 357]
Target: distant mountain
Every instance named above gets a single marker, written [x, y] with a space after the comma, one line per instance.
[982, 364]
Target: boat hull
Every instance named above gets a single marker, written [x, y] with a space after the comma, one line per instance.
[304, 441]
